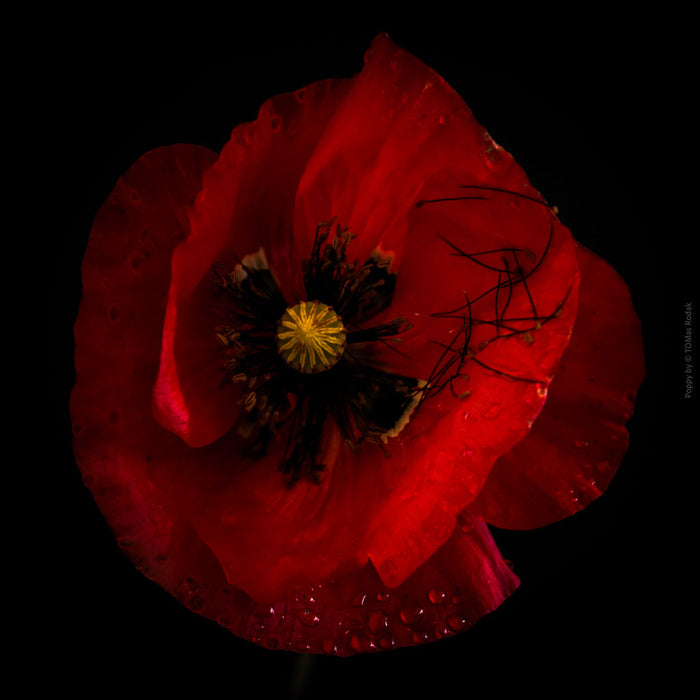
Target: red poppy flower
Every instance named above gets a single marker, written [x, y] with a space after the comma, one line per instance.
[312, 368]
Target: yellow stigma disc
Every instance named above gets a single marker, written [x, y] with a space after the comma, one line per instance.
[310, 337]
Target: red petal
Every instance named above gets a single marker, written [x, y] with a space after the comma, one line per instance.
[401, 136]
[399, 126]
[465, 579]
[450, 446]
[149, 486]
[579, 439]
[399, 511]
[246, 203]
[126, 273]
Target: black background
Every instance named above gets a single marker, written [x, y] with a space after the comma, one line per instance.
[596, 116]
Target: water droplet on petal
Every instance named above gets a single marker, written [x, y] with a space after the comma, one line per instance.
[541, 390]
[359, 600]
[387, 643]
[308, 618]
[377, 621]
[383, 596]
[360, 643]
[410, 615]
[329, 646]
[261, 610]
[419, 637]
[271, 642]
[457, 623]
[581, 443]
[303, 598]
[276, 124]
[436, 596]
[196, 603]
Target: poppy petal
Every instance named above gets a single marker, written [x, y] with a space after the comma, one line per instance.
[400, 117]
[452, 442]
[150, 490]
[355, 613]
[399, 125]
[246, 203]
[398, 511]
[578, 441]
[126, 273]
[345, 565]
[148, 484]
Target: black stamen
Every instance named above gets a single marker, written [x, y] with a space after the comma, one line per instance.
[381, 331]
[504, 191]
[451, 361]
[472, 256]
[367, 404]
[423, 202]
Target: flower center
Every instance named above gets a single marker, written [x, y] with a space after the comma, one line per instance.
[277, 353]
[310, 337]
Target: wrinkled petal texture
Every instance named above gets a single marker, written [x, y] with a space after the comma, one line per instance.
[578, 441]
[401, 135]
[137, 471]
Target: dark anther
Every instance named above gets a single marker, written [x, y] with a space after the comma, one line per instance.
[281, 397]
